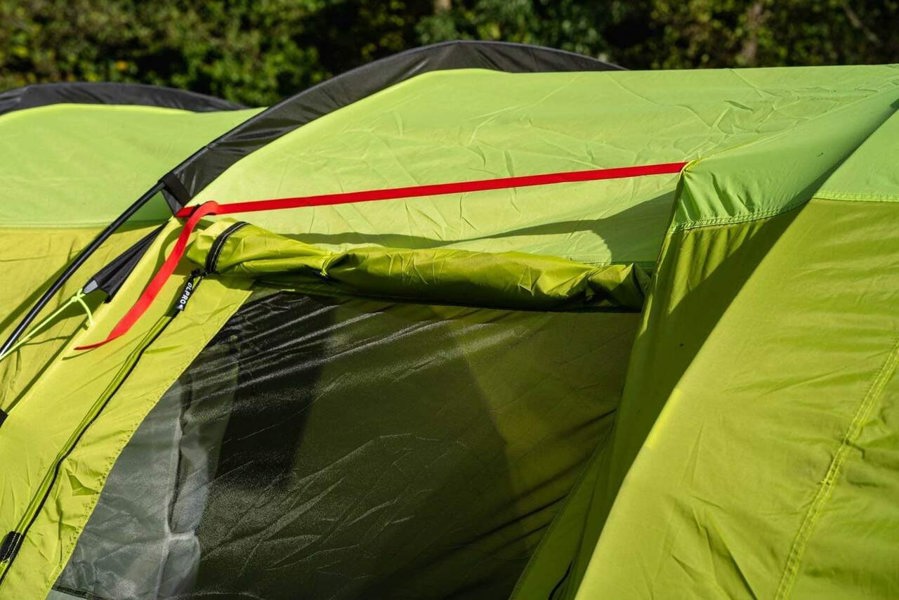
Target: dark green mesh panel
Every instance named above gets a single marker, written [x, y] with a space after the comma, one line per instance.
[349, 449]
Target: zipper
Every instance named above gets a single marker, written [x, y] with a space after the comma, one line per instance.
[13, 541]
[11, 544]
[219, 243]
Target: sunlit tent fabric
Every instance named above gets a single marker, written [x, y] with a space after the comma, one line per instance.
[74, 157]
[672, 375]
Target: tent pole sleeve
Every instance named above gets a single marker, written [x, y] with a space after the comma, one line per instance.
[76, 264]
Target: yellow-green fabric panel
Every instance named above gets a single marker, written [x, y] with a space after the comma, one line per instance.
[438, 275]
[29, 258]
[32, 258]
[465, 125]
[71, 390]
[870, 174]
[547, 573]
[858, 526]
[729, 214]
[764, 177]
[700, 272]
[17, 482]
[81, 165]
[771, 470]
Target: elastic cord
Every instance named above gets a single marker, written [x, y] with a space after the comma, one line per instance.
[78, 298]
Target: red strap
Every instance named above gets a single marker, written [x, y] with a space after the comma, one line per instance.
[162, 275]
[441, 189]
[195, 213]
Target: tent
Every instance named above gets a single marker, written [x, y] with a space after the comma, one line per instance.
[478, 320]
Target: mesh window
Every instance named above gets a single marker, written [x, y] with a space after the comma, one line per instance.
[325, 449]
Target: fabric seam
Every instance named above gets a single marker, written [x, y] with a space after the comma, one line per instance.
[738, 219]
[758, 216]
[857, 197]
[825, 488]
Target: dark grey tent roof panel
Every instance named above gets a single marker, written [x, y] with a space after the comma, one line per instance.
[32, 96]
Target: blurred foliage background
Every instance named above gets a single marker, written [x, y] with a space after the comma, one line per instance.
[259, 51]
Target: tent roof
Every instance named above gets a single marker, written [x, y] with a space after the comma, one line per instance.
[136, 94]
[453, 126]
[357, 84]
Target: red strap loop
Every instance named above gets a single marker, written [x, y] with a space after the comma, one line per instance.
[162, 275]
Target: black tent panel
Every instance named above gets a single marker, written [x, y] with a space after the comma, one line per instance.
[33, 96]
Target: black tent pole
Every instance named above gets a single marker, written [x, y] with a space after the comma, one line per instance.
[76, 264]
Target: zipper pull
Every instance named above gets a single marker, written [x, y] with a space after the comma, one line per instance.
[10, 546]
[190, 286]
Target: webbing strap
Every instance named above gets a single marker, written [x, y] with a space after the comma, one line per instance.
[195, 213]
[441, 189]
[176, 194]
[162, 275]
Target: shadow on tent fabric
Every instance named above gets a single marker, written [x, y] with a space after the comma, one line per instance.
[694, 285]
[646, 221]
[685, 312]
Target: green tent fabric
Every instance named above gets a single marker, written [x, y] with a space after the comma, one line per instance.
[665, 385]
[71, 165]
[820, 369]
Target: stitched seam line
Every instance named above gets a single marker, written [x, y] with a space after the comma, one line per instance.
[826, 487]
[856, 197]
[737, 219]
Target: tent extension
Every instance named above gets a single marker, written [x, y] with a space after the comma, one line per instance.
[475, 321]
